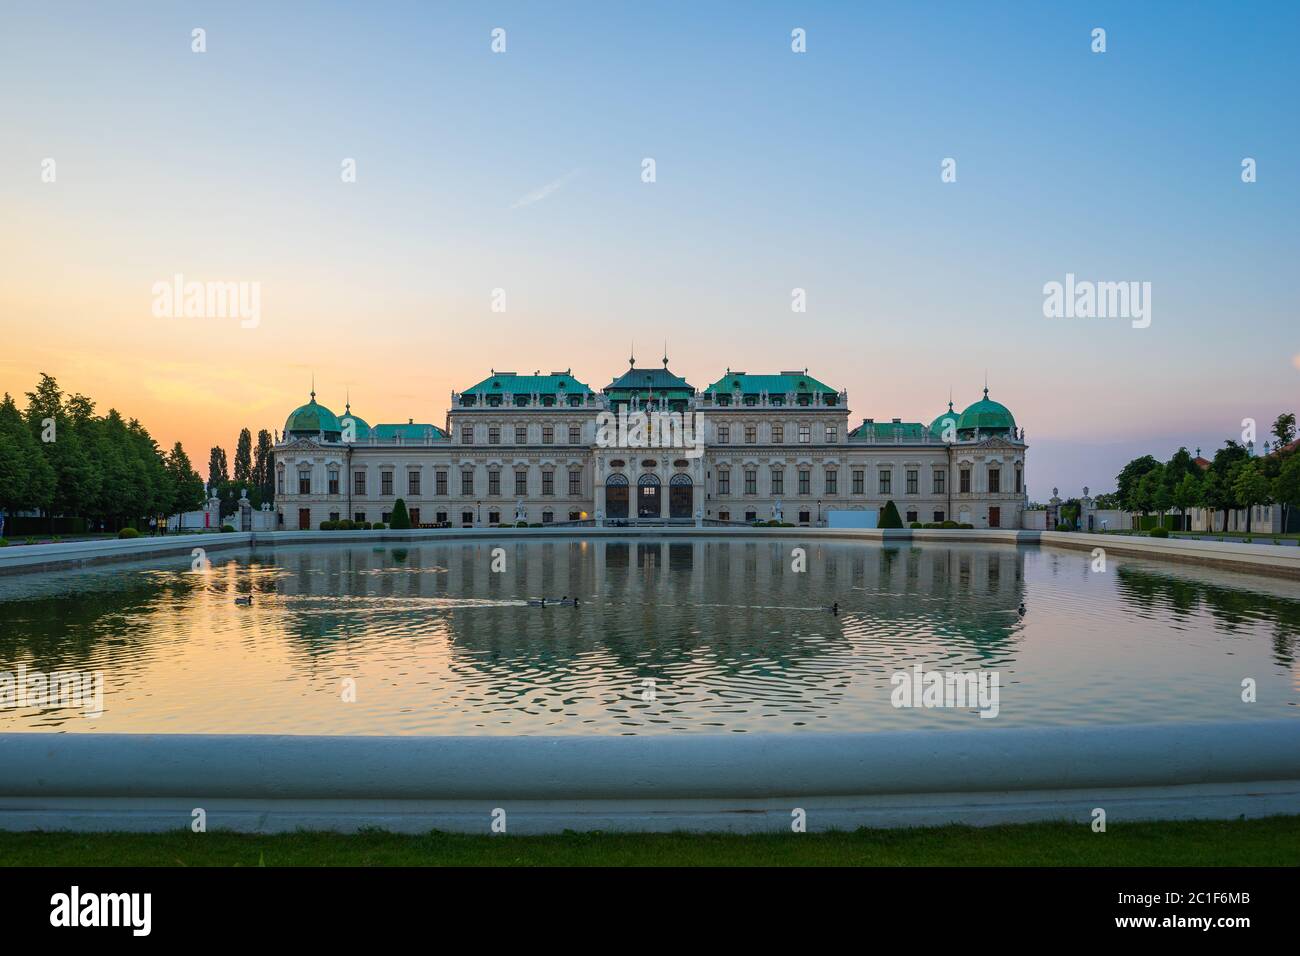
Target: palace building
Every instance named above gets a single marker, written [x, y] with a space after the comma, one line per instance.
[543, 449]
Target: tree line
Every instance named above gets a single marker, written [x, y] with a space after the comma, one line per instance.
[1235, 479]
[60, 458]
[254, 471]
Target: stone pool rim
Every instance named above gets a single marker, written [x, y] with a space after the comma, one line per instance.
[737, 783]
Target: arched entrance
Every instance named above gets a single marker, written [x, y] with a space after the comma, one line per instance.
[616, 495]
[681, 496]
[647, 497]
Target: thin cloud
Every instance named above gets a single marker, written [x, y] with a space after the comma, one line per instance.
[537, 195]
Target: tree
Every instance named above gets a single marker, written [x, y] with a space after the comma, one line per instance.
[217, 472]
[400, 520]
[26, 479]
[1249, 486]
[244, 458]
[1284, 429]
[187, 486]
[889, 516]
[264, 467]
[1149, 491]
[1127, 482]
[1286, 487]
[1219, 490]
[1186, 494]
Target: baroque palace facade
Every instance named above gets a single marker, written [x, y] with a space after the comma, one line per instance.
[545, 449]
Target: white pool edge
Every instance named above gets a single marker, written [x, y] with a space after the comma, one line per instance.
[734, 783]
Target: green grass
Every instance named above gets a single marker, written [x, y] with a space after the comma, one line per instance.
[1266, 842]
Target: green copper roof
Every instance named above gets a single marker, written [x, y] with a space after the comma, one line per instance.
[413, 433]
[557, 383]
[657, 380]
[797, 382]
[986, 415]
[310, 419]
[945, 421]
[887, 431]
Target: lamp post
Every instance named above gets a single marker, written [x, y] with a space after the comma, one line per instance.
[819, 512]
[478, 513]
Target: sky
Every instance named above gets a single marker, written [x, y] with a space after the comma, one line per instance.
[774, 170]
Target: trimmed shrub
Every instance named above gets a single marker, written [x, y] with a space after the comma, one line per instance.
[1159, 532]
[378, 526]
[227, 527]
[128, 533]
[521, 524]
[399, 520]
[915, 524]
[967, 527]
[329, 525]
[889, 517]
[366, 526]
[949, 524]
[4, 542]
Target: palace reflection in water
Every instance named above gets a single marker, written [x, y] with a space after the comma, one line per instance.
[671, 635]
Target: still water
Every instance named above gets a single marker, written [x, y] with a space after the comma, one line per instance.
[685, 636]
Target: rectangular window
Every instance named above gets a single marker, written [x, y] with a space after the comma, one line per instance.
[910, 517]
[359, 517]
[521, 482]
[1019, 482]
[494, 517]
[724, 434]
[304, 482]
[805, 434]
[575, 434]
[751, 434]
[359, 483]
[467, 483]
[385, 482]
[724, 481]
[965, 481]
[333, 477]
[805, 481]
[494, 482]
[832, 434]
[832, 482]
[467, 519]
[548, 434]
[548, 482]
[521, 434]
[724, 515]
[805, 517]
[886, 482]
[859, 481]
[751, 481]
[467, 434]
[778, 433]
[414, 515]
[279, 482]
[913, 481]
[778, 481]
[412, 482]
[995, 481]
[494, 434]
[939, 517]
[548, 517]
[751, 515]
[442, 517]
[440, 485]
[940, 481]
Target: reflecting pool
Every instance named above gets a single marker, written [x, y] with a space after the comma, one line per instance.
[670, 636]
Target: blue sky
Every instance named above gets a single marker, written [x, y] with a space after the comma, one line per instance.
[775, 170]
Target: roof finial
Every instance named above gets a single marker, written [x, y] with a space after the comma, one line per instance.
[986, 383]
[665, 353]
[631, 359]
[313, 386]
[347, 401]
